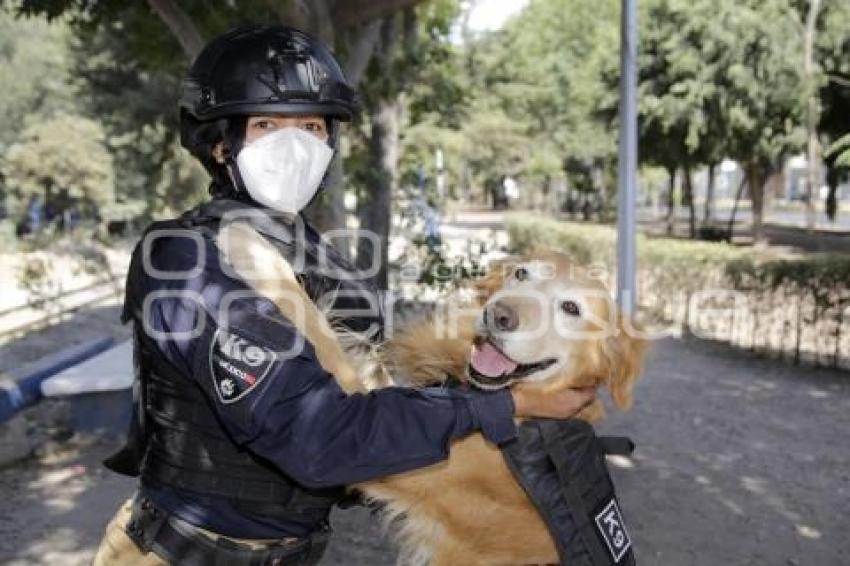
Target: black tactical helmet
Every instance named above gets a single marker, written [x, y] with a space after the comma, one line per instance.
[258, 69]
[261, 69]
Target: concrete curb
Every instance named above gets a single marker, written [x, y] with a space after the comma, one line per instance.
[21, 388]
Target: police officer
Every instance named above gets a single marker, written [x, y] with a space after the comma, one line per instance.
[241, 451]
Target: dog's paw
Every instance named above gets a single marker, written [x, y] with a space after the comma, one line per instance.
[252, 257]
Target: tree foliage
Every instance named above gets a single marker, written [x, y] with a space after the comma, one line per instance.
[133, 93]
[35, 71]
[536, 100]
[719, 79]
[518, 101]
[59, 154]
[833, 54]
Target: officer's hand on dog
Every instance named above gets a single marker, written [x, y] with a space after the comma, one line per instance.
[560, 404]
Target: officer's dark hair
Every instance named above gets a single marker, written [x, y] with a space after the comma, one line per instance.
[201, 137]
[255, 70]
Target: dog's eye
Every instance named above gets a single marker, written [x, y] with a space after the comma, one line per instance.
[521, 274]
[571, 308]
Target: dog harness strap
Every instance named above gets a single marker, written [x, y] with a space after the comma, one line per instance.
[533, 469]
[564, 447]
[561, 466]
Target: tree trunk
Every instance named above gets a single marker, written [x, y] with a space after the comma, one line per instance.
[812, 113]
[755, 180]
[350, 13]
[687, 180]
[831, 204]
[671, 202]
[295, 13]
[708, 209]
[546, 190]
[360, 49]
[738, 196]
[774, 185]
[375, 209]
[311, 16]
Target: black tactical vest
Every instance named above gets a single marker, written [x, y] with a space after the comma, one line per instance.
[175, 438]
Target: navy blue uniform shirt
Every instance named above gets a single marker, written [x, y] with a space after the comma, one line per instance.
[291, 412]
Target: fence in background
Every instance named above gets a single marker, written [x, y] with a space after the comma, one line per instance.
[47, 311]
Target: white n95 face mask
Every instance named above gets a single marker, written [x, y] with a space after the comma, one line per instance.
[283, 169]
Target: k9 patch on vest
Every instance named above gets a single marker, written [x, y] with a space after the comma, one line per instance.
[237, 366]
[610, 524]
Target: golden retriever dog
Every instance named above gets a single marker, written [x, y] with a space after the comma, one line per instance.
[541, 325]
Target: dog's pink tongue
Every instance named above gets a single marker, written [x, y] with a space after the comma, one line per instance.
[489, 361]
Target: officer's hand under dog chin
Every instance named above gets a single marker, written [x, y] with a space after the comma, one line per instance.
[563, 404]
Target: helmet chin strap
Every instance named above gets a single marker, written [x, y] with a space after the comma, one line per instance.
[235, 177]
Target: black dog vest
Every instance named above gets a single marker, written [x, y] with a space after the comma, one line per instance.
[561, 466]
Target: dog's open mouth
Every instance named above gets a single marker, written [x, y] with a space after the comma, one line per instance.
[490, 368]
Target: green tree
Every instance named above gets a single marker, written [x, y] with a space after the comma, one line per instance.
[133, 55]
[533, 88]
[65, 160]
[764, 97]
[719, 78]
[164, 35]
[833, 56]
[134, 95]
[409, 43]
[681, 122]
[35, 71]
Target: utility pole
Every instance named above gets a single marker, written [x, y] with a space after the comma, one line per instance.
[627, 165]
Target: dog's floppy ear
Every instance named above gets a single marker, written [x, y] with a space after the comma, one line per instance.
[626, 350]
[487, 285]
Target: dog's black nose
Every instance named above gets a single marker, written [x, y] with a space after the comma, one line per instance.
[504, 318]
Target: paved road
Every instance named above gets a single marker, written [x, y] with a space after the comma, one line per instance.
[796, 218]
[739, 460]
